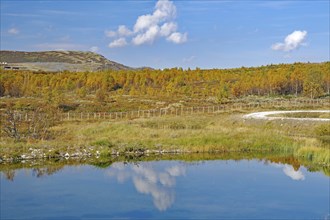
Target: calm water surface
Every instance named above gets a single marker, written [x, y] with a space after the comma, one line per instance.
[168, 189]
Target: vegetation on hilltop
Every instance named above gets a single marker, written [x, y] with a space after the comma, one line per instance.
[59, 60]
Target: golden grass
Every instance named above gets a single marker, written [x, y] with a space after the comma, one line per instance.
[198, 133]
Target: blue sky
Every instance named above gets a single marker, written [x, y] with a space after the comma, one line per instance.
[165, 34]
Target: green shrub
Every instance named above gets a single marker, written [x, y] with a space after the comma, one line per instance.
[323, 132]
[103, 143]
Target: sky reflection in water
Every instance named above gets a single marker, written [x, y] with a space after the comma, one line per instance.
[168, 189]
[160, 184]
[150, 181]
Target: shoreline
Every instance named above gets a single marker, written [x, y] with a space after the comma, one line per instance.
[44, 164]
[227, 132]
[145, 153]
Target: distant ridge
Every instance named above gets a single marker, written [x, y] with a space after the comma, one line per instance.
[53, 61]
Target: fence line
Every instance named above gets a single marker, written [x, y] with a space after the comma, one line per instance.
[175, 111]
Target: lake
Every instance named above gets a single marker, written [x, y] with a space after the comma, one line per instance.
[166, 189]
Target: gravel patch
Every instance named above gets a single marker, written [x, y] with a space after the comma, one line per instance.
[267, 115]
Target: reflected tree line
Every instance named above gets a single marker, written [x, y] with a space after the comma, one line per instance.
[37, 172]
[51, 167]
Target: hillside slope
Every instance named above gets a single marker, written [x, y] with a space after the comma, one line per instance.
[58, 61]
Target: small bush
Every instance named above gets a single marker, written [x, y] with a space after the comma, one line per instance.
[103, 143]
[150, 124]
[177, 126]
[323, 133]
[68, 107]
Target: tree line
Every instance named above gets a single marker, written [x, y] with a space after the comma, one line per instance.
[299, 79]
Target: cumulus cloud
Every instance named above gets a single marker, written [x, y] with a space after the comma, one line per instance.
[164, 11]
[13, 31]
[177, 38]
[122, 31]
[147, 28]
[121, 42]
[147, 37]
[168, 28]
[291, 42]
[110, 33]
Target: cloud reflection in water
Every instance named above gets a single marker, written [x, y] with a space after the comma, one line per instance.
[295, 175]
[291, 172]
[150, 180]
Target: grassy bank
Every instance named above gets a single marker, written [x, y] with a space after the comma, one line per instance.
[225, 132]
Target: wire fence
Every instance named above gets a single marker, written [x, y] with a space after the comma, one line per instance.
[174, 111]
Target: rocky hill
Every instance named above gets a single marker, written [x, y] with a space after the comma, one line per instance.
[57, 61]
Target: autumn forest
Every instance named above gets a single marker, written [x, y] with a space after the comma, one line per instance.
[310, 80]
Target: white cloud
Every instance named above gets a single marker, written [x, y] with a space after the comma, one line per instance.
[121, 42]
[149, 27]
[164, 11]
[144, 22]
[94, 49]
[177, 38]
[60, 12]
[13, 31]
[21, 15]
[147, 37]
[168, 28]
[122, 31]
[110, 33]
[291, 42]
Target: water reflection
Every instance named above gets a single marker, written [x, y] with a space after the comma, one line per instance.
[218, 189]
[290, 171]
[293, 174]
[158, 182]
